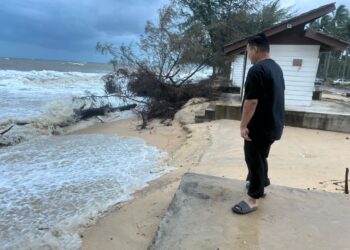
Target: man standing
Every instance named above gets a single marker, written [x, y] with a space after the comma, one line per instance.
[262, 118]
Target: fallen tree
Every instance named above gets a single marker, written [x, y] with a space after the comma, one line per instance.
[161, 78]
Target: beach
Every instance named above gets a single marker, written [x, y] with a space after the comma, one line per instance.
[52, 182]
[117, 125]
[303, 158]
[101, 183]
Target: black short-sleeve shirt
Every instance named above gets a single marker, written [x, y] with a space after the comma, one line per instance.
[265, 82]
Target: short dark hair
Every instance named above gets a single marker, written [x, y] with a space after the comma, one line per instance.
[260, 41]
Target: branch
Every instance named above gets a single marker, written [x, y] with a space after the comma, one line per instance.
[172, 81]
[194, 72]
[100, 119]
[6, 130]
[117, 95]
[130, 59]
[172, 66]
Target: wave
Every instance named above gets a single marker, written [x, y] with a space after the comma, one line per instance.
[75, 63]
[48, 77]
[24, 95]
[59, 118]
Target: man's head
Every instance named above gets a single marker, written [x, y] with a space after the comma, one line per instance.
[258, 48]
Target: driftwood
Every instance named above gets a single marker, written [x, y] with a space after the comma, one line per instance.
[6, 130]
[22, 123]
[123, 108]
[100, 119]
[87, 113]
[19, 123]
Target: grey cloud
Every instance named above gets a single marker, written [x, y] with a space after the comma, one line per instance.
[74, 25]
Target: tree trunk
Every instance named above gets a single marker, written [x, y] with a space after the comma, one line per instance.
[87, 113]
[327, 65]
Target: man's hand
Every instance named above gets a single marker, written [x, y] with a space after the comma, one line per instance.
[249, 107]
[245, 134]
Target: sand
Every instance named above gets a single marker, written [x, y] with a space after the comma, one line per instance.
[304, 158]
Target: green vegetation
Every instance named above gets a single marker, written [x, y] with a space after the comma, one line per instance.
[334, 64]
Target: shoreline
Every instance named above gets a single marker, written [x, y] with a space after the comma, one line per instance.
[304, 158]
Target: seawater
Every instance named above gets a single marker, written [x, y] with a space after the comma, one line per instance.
[28, 94]
[51, 187]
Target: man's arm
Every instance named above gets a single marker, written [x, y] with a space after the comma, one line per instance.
[249, 108]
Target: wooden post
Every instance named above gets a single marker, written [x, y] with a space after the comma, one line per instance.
[244, 69]
[346, 181]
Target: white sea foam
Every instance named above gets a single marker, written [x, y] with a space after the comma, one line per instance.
[51, 187]
[74, 63]
[58, 119]
[48, 76]
[24, 95]
[45, 99]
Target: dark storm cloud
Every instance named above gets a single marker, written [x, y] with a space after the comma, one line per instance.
[69, 29]
[74, 25]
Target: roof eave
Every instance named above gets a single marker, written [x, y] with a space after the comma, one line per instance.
[327, 40]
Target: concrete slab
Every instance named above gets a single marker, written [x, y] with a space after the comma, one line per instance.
[200, 217]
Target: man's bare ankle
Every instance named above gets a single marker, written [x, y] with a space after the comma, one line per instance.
[252, 201]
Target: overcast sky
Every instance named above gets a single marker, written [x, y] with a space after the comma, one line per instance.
[69, 30]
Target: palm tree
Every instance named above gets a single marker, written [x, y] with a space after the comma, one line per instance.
[337, 24]
[334, 63]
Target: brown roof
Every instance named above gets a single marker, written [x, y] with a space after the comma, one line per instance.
[326, 39]
[307, 17]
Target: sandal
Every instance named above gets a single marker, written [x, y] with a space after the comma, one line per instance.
[243, 208]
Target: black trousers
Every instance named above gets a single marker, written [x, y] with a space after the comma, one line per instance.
[256, 153]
